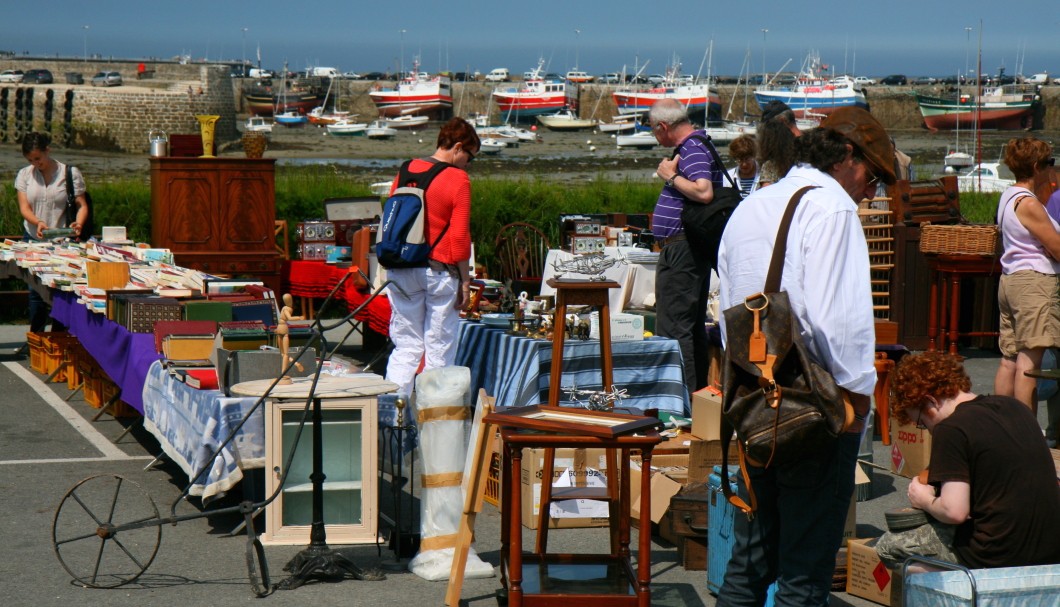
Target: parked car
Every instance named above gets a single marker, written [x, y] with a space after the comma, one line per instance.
[656, 79]
[612, 78]
[374, 76]
[107, 79]
[895, 80]
[351, 75]
[926, 80]
[11, 76]
[499, 74]
[463, 77]
[863, 81]
[37, 76]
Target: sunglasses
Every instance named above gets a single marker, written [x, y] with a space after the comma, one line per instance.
[919, 424]
[470, 156]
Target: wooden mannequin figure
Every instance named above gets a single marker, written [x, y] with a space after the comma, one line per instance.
[282, 334]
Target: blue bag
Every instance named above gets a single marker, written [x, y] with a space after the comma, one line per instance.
[402, 238]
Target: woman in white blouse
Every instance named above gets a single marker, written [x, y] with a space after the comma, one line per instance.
[41, 189]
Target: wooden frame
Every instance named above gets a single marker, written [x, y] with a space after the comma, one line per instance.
[571, 421]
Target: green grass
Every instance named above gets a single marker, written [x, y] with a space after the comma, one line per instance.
[300, 192]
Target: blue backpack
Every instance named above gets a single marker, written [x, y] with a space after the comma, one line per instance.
[402, 238]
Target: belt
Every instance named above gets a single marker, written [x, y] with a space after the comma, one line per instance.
[675, 238]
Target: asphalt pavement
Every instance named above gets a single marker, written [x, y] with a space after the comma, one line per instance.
[49, 441]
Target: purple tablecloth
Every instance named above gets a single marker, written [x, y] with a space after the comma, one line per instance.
[125, 357]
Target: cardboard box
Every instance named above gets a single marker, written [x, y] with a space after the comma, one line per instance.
[581, 462]
[669, 474]
[624, 327]
[706, 414]
[867, 577]
[910, 449]
[703, 455]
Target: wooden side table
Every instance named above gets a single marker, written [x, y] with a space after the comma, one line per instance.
[945, 306]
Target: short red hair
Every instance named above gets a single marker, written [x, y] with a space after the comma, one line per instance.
[918, 376]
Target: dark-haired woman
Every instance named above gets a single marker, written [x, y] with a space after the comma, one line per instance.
[425, 311]
[41, 189]
[1030, 265]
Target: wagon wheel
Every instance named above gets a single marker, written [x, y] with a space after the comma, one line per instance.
[106, 531]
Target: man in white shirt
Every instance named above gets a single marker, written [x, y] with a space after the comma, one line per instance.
[802, 506]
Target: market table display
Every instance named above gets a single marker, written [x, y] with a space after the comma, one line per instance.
[516, 369]
[124, 356]
[316, 279]
[190, 424]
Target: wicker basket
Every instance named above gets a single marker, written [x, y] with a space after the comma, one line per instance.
[959, 239]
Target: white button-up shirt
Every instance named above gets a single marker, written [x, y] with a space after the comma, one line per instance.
[826, 270]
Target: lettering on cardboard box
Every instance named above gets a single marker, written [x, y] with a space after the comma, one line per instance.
[908, 437]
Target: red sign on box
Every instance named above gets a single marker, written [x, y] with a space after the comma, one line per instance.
[896, 457]
[881, 575]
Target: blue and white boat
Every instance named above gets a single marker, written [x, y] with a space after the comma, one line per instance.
[813, 94]
[290, 118]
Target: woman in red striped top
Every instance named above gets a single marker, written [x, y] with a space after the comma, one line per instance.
[425, 312]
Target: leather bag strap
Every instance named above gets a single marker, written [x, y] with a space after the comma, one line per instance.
[780, 248]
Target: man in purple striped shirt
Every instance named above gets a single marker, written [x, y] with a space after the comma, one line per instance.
[683, 274]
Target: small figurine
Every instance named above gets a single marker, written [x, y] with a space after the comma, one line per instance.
[282, 333]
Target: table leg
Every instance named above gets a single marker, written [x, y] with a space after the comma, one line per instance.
[624, 502]
[644, 533]
[559, 325]
[506, 511]
[933, 312]
[606, 364]
[515, 534]
[548, 465]
[955, 309]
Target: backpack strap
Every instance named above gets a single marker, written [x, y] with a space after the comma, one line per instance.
[709, 144]
[423, 181]
[71, 198]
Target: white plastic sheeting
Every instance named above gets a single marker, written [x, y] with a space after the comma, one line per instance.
[441, 395]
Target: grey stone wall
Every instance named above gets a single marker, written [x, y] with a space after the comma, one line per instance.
[120, 118]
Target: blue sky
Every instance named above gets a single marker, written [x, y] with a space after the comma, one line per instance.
[925, 37]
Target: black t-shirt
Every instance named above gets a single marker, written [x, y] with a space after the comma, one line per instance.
[995, 444]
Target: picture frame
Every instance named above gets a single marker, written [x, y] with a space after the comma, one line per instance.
[567, 420]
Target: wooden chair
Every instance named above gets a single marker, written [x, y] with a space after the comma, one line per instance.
[520, 251]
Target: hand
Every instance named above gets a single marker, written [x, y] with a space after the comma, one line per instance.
[41, 226]
[76, 227]
[463, 296]
[920, 495]
[667, 168]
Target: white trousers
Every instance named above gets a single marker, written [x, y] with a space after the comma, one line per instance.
[422, 321]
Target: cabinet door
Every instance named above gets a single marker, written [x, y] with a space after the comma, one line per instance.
[349, 442]
[189, 218]
[248, 211]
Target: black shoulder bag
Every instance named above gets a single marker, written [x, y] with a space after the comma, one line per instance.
[71, 207]
[705, 223]
[781, 403]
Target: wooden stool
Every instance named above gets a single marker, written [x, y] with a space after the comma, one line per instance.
[590, 293]
[949, 270]
[882, 396]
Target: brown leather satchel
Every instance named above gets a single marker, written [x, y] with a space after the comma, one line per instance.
[781, 403]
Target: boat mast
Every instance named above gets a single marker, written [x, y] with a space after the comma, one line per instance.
[979, 107]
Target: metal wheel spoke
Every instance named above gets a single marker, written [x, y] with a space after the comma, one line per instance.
[114, 502]
[127, 553]
[85, 507]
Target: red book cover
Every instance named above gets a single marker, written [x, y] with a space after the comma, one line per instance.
[203, 379]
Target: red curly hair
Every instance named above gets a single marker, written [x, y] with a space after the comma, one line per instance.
[918, 376]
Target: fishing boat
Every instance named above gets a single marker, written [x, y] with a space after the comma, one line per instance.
[261, 101]
[290, 118]
[535, 96]
[640, 140]
[813, 92]
[320, 116]
[344, 128]
[492, 146]
[699, 100]
[565, 120]
[257, 124]
[379, 129]
[620, 124]
[986, 177]
[406, 121]
[1007, 107]
[418, 94]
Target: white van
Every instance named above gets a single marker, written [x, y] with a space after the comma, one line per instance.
[324, 72]
[499, 74]
[259, 73]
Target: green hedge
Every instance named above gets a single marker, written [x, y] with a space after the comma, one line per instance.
[300, 193]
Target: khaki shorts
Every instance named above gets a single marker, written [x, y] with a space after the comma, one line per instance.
[1030, 311]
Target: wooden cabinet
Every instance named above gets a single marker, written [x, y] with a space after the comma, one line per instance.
[217, 214]
[350, 447]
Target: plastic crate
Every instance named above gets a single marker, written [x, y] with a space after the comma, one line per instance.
[120, 408]
[720, 540]
[74, 354]
[37, 360]
[493, 481]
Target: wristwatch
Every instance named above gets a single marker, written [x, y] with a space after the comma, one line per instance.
[670, 182]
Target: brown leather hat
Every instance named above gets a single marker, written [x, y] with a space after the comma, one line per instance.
[865, 132]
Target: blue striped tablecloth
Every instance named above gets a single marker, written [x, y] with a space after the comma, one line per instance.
[516, 370]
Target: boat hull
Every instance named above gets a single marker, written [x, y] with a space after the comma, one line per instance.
[804, 103]
[698, 100]
[941, 113]
[433, 99]
[264, 105]
[534, 98]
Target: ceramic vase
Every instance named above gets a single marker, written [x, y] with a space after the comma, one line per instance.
[207, 124]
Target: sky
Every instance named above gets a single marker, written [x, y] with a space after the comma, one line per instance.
[916, 38]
